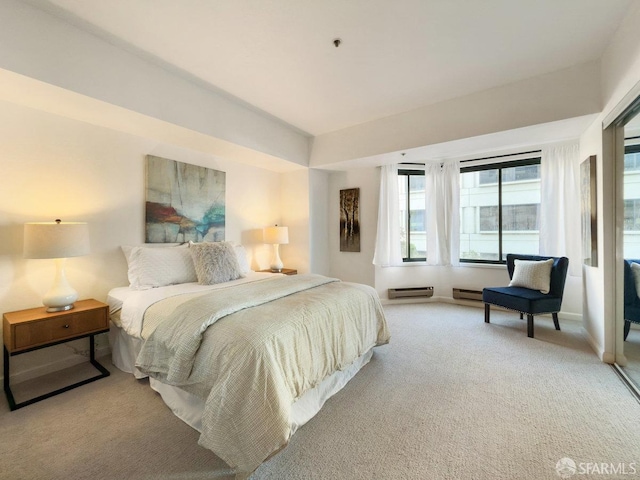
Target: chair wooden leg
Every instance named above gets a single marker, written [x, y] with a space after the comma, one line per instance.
[529, 325]
[555, 320]
[487, 309]
[627, 327]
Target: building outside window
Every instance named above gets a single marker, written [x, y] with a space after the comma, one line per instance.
[413, 235]
[631, 179]
[499, 210]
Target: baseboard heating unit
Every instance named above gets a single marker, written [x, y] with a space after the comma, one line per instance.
[465, 294]
[409, 292]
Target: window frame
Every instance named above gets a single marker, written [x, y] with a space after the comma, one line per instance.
[409, 172]
[498, 166]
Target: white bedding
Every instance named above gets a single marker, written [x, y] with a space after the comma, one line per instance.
[128, 307]
[189, 408]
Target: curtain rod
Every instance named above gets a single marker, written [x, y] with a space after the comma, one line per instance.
[487, 158]
[500, 156]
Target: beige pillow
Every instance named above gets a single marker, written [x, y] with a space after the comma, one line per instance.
[635, 269]
[533, 274]
[215, 262]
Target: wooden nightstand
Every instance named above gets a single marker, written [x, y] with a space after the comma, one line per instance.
[285, 271]
[28, 330]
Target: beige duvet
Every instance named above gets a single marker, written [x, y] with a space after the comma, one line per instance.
[250, 351]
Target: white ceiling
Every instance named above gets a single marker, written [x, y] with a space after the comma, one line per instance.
[395, 56]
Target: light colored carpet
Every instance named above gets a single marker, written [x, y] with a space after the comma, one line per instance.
[632, 352]
[449, 398]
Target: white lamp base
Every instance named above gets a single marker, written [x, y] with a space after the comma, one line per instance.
[61, 296]
[60, 309]
[276, 263]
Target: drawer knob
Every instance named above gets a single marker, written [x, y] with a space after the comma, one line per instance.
[66, 326]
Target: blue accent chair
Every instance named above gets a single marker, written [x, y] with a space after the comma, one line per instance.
[525, 300]
[631, 300]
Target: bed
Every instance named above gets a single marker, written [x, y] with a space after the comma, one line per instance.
[248, 360]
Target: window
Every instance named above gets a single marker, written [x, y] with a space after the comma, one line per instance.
[515, 218]
[413, 235]
[632, 158]
[631, 162]
[515, 174]
[499, 210]
[632, 215]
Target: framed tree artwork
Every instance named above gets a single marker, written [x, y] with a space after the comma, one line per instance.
[350, 220]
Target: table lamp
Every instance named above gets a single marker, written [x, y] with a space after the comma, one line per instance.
[276, 236]
[58, 240]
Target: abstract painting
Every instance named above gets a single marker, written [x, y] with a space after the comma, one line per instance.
[350, 220]
[589, 211]
[184, 202]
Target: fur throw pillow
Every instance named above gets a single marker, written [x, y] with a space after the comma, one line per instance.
[215, 262]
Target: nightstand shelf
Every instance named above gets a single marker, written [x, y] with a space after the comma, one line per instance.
[28, 330]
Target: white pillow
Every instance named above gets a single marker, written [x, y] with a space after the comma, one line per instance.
[151, 267]
[215, 262]
[533, 274]
[243, 263]
[635, 269]
[126, 249]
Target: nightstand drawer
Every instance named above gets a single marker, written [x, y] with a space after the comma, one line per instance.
[37, 329]
[36, 333]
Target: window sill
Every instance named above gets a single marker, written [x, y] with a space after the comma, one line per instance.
[483, 265]
[461, 264]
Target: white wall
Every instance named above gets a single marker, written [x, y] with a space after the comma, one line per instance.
[564, 94]
[594, 286]
[319, 215]
[54, 167]
[354, 266]
[294, 195]
[620, 63]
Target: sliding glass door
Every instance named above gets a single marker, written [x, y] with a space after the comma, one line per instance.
[629, 166]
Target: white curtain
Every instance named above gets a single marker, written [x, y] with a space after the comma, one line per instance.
[560, 204]
[388, 253]
[442, 192]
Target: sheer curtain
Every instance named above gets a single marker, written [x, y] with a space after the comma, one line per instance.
[442, 190]
[387, 253]
[560, 204]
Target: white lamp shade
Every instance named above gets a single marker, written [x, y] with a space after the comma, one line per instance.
[56, 239]
[276, 235]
